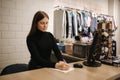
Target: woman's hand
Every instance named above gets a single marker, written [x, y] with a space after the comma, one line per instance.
[62, 65]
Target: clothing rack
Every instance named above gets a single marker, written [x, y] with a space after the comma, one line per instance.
[85, 9]
[70, 8]
[85, 23]
[106, 15]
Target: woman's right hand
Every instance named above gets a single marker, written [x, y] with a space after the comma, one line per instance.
[62, 65]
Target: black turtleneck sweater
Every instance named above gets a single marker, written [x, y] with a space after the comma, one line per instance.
[40, 45]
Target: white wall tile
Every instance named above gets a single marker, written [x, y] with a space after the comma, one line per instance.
[8, 35]
[4, 11]
[0, 18]
[21, 20]
[26, 27]
[9, 19]
[27, 4]
[0, 3]
[0, 35]
[0, 49]
[3, 64]
[4, 57]
[3, 27]
[10, 4]
[16, 12]
[19, 4]
[19, 49]
[14, 42]
[4, 42]
[8, 49]
[21, 35]
[15, 27]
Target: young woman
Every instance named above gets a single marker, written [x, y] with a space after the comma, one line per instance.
[40, 44]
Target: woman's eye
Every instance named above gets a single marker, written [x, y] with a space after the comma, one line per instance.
[41, 22]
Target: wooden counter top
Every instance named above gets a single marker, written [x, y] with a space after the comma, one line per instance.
[105, 72]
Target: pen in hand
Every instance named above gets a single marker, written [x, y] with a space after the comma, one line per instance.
[62, 65]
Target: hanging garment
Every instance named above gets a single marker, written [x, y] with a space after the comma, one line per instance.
[86, 22]
[67, 24]
[70, 24]
[64, 24]
[79, 22]
[75, 22]
[88, 19]
[93, 26]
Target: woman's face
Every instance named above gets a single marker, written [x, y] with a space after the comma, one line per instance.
[43, 24]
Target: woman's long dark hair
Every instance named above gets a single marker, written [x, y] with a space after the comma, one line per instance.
[37, 17]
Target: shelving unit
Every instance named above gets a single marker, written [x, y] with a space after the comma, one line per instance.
[105, 42]
[105, 38]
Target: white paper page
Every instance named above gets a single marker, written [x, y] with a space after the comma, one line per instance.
[65, 71]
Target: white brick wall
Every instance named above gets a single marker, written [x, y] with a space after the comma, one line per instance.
[0, 19]
[15, 23]
[15, 12]
[4, 11]
[0, 36]
[0, 3]
[9, 19]
[19, 4]
[8, 35]
[10, 4]
[3, 27]
[12, 27]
